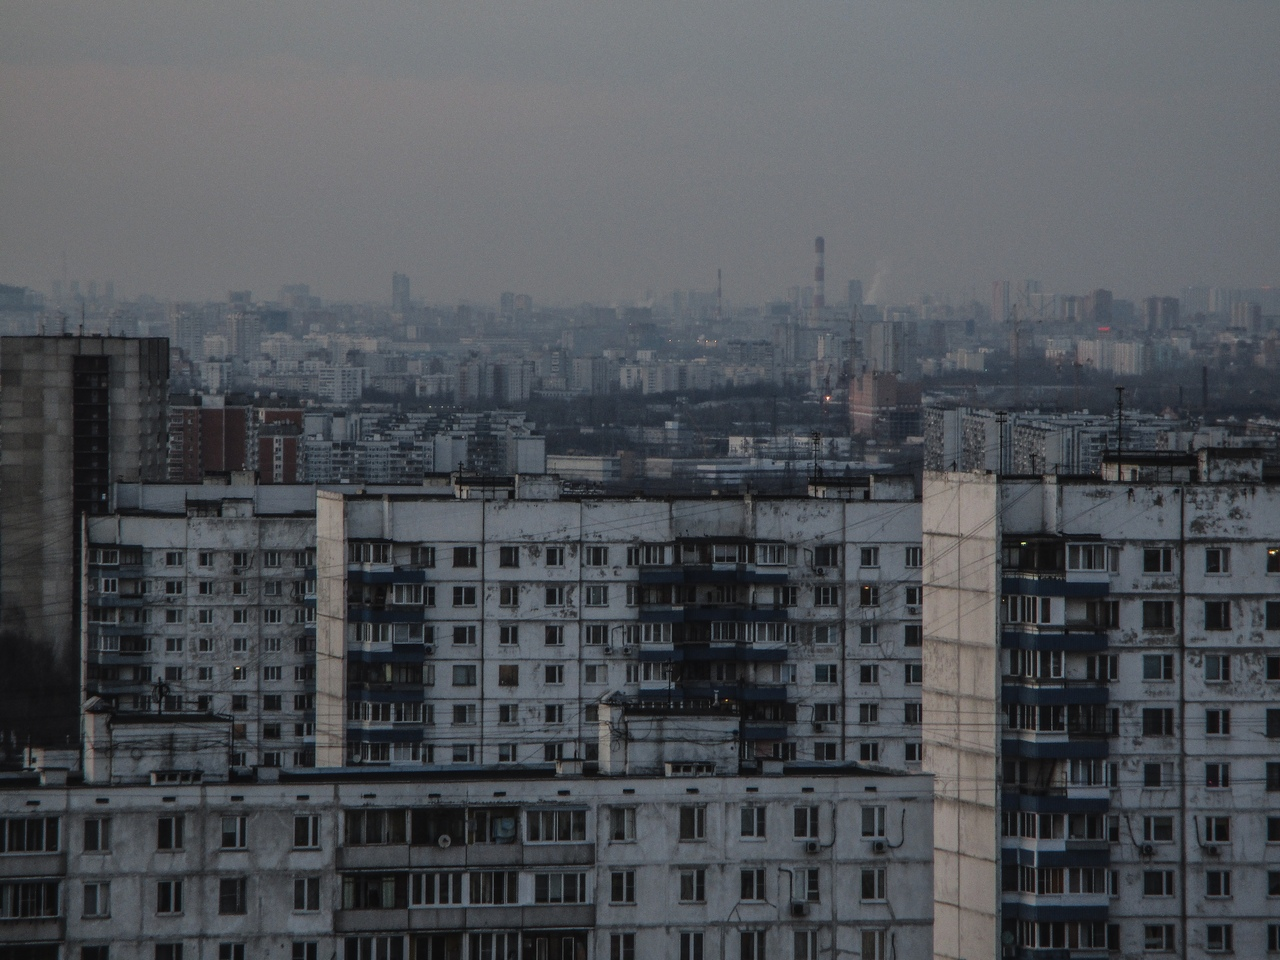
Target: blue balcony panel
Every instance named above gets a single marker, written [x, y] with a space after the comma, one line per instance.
[1051, 913]
[384, 695]
[1058, 804]
[399, 653]
[1038, 696]
[406, 734]
[1051, 587]
[1070, 642]
[359, 614]
[386, 576]
[760, 731]
[1055, 750]
[1030, 857]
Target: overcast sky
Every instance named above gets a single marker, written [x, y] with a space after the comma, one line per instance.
[599, 149]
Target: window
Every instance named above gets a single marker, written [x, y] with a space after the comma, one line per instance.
[169, 896]
[914, 751]
[464, 596]
[873, 821]
[1217, 615]
[826, 596]
[553, 673]
[1217, 667]
[555, 556]
[1157, 883]
[306, 832]
[597, 634]
[1157, 829]
[509, 596]
[1218, 938]
[805, 822]
[753, 822]
[97, 899]
[1157, 936]
[1273, 778]
[508, 713]
[464, 714]
[243, 560]
[691, 946]
[912, 635]
[464, 753]
[751, 944]
[869, 557]
[553, 635]
[693, 822]
[554, 596]
[596, 556]
[239, 701]
[1157, 666]
[869, 673]
[826, 673]
[234, 833]
[231, 896]
[306, 894]
[204, 558]
[1157, 774]
[1217, 560]
[464, 675]
[1217, 883]
[1157, 722]
[1157, 614]
[869, 595]
[1217, 829]
[913, 558]
[597, 673]
[173, 558]
[597, 595]
[1157, 560]
[271, 674]
[464, 556]
[231, 951]
[622, 824]
[868, 713]
[1273, 829]
[169, 832]
[622, 886]
[1273, 724]
[873, 884]
[556, 826]
[869, 751]
[912, 714]
[1217, 775]
[508, 674]
[1273, 938]
[622, 946]
[873, 945]
[95, 953]
[693, 885]
[508, 556]
[1217, 723]
[97, 835]
[464, 635]
[1273, 667]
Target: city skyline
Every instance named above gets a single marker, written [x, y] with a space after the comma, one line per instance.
[600, 152]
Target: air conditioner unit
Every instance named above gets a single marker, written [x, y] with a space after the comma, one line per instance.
[879, 846]
[428, 649]
[812, 847]
[819, 571]
[799, 909]
[1212, 850]
[913, 610]
[444, 841]
[1148, 850]
[817, 728]
[627, 650]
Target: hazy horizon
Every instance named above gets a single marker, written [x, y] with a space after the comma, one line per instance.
[601, 150]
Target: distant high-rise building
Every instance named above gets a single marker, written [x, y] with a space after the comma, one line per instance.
[507, 305]
[1098, 307]
[76, 413]
[855, 293]
[1160, 313]
[1001, 295]
[399, 292]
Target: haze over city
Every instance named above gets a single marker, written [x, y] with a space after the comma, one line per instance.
[604, 150]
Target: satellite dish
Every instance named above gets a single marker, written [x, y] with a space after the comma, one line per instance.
[1007, 938]
[444, 842]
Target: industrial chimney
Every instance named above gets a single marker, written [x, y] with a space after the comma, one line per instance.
[819, 273]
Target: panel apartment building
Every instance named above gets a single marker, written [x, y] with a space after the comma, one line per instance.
[1102, 665]
[137, 860]
[458, 627]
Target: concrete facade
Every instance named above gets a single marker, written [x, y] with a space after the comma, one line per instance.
[804, 864]
[1103, 657]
